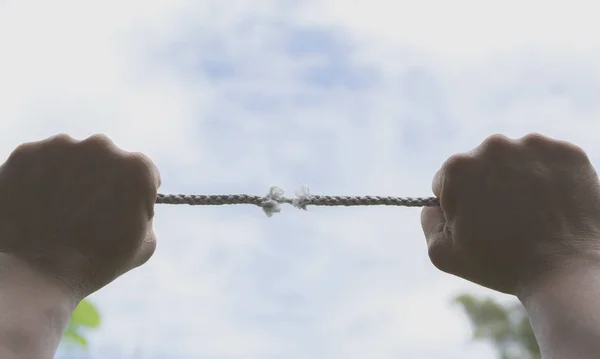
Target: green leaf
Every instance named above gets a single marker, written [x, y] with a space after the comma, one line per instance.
[85, 315]
[75, 338]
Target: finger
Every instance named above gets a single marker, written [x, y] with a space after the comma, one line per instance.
[453, 180]
[146, 177]
[439, 239]
[146, 249]
[433, 222]
[155, 173]
[146, 161]
[437, 187]
[437, 183]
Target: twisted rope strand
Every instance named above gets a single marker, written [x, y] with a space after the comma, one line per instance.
[224, 199]
[270, 202]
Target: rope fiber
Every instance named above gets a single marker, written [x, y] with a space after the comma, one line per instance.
[270, 203]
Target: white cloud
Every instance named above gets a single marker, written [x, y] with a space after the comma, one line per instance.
[67, 67]
[464, 31]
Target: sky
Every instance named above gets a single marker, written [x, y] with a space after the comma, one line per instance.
[347, 97]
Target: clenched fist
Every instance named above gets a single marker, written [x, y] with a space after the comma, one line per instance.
[79, 212]
[513, 210]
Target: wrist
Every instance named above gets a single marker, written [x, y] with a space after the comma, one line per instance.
[36, 310]
[562, 305]
[560, 280]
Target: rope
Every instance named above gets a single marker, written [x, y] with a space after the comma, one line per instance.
[270, 203]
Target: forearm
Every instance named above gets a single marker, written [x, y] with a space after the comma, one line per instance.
[564, 310]
[34, 313]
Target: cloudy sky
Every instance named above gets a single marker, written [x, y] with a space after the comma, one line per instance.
[348, 97]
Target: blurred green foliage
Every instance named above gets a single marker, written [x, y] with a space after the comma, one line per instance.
[506, 327]
[85, 317]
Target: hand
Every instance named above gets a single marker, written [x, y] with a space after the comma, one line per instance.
[78, 212]
[512, 210]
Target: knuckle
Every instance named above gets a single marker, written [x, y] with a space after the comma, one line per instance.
[457, 165]
[576, 151]
[536, 139]
[99, 141]
[496, 143]
[52, 143]
[62, 139]
[555, 148]
[22, 151]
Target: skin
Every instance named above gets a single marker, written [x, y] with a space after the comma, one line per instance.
[74, 216]
[523, 217]
[517, 216]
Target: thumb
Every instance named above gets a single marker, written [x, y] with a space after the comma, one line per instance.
[439, 239]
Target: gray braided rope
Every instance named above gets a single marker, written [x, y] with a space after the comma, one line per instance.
[270, 203]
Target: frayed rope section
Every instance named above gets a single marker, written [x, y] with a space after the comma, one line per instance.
[272, 201]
